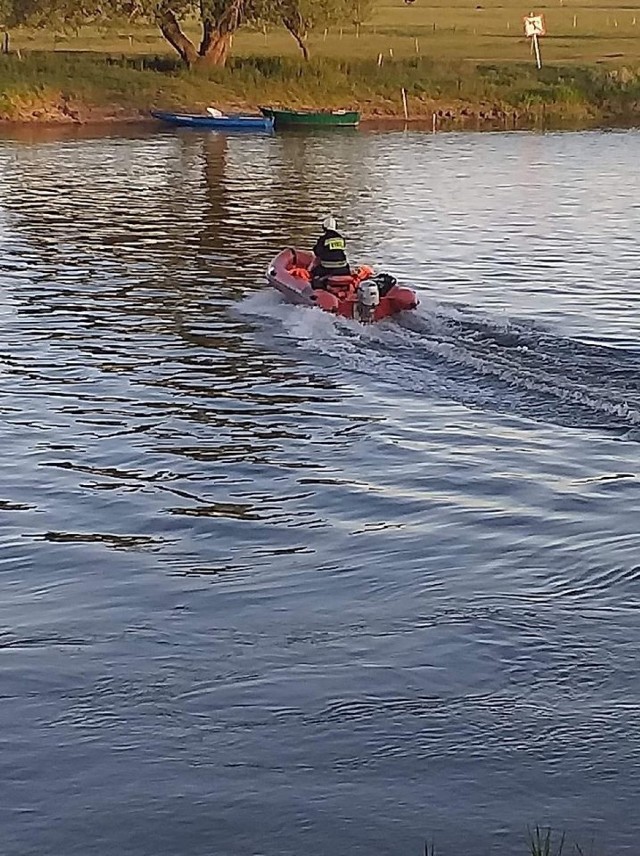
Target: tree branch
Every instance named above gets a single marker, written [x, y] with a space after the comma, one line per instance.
[172, 32]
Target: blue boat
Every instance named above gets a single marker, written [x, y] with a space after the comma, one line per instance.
[215, 122]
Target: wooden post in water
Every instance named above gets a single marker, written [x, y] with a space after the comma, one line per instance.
[5, 42]
[417, 46]
[434, 123]
[380, 60]
[404, 104]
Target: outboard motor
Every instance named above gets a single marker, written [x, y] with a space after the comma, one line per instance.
[385, 283]
[367, 298]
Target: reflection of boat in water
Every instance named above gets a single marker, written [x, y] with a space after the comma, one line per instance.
[311, 118]
[215, 122]
[363, 295]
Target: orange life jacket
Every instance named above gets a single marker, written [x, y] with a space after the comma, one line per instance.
[300, 273]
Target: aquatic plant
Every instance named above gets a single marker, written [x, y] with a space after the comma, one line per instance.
[542, 843]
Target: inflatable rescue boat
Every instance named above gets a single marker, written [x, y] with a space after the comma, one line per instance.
[364, 296]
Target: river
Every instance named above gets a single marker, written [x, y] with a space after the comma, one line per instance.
[278, 584]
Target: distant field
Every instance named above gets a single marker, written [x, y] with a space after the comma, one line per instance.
[578, 32]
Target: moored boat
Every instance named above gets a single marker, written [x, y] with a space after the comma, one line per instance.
[364, 296]
[311, 118]
[215, 122]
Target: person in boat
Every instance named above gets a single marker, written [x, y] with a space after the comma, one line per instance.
[329, 256]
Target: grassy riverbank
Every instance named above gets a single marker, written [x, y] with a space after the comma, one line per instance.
[471, 66]
[76, 86]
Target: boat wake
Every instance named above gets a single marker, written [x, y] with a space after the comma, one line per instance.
[447, 352]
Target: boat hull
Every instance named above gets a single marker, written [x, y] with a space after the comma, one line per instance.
[222, 123]
[281, 274]
[312, 118]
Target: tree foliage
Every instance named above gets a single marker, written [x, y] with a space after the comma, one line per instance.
[219, 19]
[6, 13]
[300, 17]
[53, 14]
[360, 10]
[6, 22]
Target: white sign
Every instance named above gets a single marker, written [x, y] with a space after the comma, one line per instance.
[534, 26]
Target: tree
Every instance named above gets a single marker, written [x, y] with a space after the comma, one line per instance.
[300, 17]
[360, 11]
[55, 14]
[219, 19]
[6, 14]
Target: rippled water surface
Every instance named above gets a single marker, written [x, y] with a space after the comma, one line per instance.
[277, 584]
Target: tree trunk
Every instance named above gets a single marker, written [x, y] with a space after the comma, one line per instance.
[218, 29]
[301, 39]
[220, 20]
[170, 29]
[216, 50]
[5, 42]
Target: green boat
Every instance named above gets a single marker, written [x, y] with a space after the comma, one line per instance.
[311, 118]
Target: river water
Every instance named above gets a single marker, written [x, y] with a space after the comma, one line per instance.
[278, 584]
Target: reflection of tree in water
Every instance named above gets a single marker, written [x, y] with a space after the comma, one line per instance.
[89, 219]
[108, 233]
[236, 228]
[226, 246]
[322, 173]
[216, 205]
[131, 254]
[174, 226]
[265, 193]
[123, 260]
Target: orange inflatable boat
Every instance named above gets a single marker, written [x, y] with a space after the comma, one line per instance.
[362, 296]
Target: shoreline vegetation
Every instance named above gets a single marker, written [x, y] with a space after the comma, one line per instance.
[461, 69]
[78, 88]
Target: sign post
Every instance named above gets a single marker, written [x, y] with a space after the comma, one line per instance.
[533, 29]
